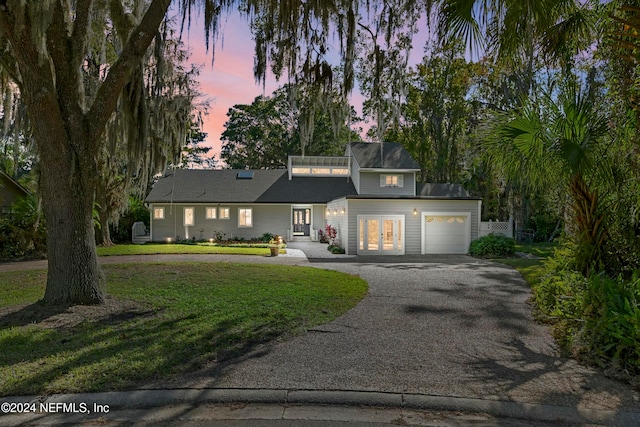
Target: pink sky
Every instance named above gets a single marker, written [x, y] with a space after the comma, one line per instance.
[230, 81]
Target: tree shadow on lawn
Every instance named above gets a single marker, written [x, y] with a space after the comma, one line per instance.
[122, 352]
[114, 310]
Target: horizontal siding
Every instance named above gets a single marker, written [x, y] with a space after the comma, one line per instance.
[370, 184]
[317, 217]
[413, 225]
[339, 222]
[275, 219]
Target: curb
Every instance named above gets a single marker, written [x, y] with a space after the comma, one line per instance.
[500, 409]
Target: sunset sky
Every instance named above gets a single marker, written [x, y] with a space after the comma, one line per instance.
[230, 81]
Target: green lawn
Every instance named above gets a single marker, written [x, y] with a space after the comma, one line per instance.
[180, 316]
[202, 248]
[531, 269]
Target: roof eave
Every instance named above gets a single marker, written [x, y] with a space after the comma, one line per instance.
[389, 170]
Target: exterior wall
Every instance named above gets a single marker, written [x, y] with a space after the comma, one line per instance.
[355, 174]
[275, 219]
[370, 184]
[340, 221]
[413, 223]
[317, 219]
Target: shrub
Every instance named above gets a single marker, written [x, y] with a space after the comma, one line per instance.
[597, 319]
[267, 237]
[492, 246]
[335, 249]
[330, 234]
[23, 234]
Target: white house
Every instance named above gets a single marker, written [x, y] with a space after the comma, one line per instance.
[369, 195]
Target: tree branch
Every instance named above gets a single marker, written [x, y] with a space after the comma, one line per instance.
[119, 74]
[80, 31]
[60, 49]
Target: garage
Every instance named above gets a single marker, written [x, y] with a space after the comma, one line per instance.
[446, 232]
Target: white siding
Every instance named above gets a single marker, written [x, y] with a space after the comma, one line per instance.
[266, 219]
[339, 221]
[317, 217]
[413, 223]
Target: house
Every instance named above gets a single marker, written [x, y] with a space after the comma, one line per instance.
[10, 192]
[369, 195]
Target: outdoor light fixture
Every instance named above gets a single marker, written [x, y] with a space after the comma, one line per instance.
[335, 212]
[328, 211]
[169, 239]
[415, 212]
[342, 211]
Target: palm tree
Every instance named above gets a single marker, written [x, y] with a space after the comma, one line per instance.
[558, 140]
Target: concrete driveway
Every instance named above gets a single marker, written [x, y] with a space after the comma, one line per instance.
[447, 326]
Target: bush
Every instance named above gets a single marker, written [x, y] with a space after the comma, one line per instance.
[267, 237]
[335, 249]
[136, 212]
[23, 233]
[596, 319]
[492, 246]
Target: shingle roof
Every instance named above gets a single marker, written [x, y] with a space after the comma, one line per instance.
[266, 186]
[393, 156]
[440, 190]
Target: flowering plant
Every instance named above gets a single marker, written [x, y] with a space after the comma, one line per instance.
[331, 234]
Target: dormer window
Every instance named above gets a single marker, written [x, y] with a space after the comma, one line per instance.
[391, 180]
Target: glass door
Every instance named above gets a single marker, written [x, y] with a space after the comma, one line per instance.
[379, 235]
[301, 222]
[373, 235]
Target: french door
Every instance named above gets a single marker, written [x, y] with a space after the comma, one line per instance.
[381, 234]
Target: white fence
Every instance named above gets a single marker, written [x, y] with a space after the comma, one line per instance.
[505, 228]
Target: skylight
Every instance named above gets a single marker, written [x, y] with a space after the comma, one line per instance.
[245, 175]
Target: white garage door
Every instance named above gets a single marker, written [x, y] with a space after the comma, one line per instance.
[446, 233]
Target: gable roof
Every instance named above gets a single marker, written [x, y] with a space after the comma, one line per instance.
[10, 189]
[393, 156]
[266, 186]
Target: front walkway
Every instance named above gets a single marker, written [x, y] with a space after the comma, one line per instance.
[316, 250]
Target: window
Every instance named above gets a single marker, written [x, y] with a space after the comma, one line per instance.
[188, 216]
[245, 217]
[391, 180]
[296, 171]
[321, 171]
[224, 213]
[158, 213]
[211, 213]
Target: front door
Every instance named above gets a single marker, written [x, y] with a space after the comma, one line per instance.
[381, 235]
[301, 222]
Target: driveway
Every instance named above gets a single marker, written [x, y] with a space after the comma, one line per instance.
[448, 326]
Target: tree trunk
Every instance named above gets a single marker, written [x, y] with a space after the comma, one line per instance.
[105, 232]
[74, 275]
[68, 130]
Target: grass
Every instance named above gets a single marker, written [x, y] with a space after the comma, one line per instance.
[181, 317]
[531, 269]
[204, 248]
